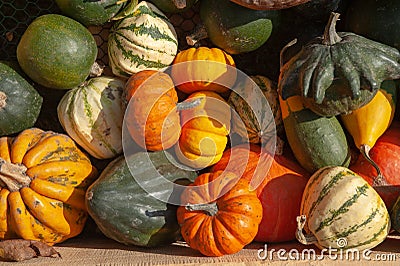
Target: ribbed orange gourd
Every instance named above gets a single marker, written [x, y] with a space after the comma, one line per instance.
[220, 217]
[152, 117]
[43, 179]
[205, 130]
[203, 68]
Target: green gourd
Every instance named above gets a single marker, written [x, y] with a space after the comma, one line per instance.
[126, 212]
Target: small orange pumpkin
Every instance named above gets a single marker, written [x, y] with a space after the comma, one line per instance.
[203, 69]
[43, 180]
[152, 117]
[220, 216]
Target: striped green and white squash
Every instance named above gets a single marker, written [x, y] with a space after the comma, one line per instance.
[144, 39]
[249, 106]
[341, 210]
[92, 115]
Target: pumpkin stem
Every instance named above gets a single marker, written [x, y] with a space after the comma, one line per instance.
[210, 209]
[379, 180]
[302, 238]
[189, 104]
[3, 100]
[96, 70]
[13, 176]
[291, 43]
[199, 33]
[180, 4]
[330, 35]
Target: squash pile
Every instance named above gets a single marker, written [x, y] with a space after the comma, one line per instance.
[194, 142]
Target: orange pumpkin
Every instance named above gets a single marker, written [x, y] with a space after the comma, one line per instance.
[152, 117]
[219, 217]
[43, 179]
[281, 183]
[203, 69]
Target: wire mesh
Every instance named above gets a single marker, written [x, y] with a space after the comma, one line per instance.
[16, 15]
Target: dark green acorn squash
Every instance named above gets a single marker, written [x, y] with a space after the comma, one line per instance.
[57, 52]
[90, 12]
[377, 20]
[338, 72]
[395, 215]
[234, 28]
[127, 213]
[174, 6]
[20, 103]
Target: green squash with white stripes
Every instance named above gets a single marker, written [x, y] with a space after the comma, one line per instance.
[248, 108]
[340, 210]
[144, 39]
[92, 115]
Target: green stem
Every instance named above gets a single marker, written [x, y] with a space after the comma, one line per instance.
[330, 35]
[379, 180]
[210, 209]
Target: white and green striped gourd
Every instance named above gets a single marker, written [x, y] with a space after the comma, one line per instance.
[341, 210]
[144, 39]
[92, 115]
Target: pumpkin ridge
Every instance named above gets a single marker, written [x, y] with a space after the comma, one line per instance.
[374, 237]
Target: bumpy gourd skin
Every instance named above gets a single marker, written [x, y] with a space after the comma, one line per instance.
[338, 72]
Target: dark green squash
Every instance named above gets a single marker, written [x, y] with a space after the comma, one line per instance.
[20, 103]
[126, 212]
[90, 12]
[338, 72]
[383, 23]
[57, 52]
[234, 28]
[395, 215]
[316, 141]
[174, 6]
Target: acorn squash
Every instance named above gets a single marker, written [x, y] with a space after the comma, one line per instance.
[125, 211]
[20, 103]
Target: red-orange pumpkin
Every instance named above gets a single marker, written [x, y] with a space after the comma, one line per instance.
[280, 191]
[386, 154]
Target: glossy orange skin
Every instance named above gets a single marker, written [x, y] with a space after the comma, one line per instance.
[281, 182]
[152, 118]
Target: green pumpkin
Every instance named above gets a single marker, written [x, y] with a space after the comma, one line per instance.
[174, 6]
[338, 72]
[234, 28]
[125, 212]
[20, 103]
[90, 12]
[57, 52]
[395, 215]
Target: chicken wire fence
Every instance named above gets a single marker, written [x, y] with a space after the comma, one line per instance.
[16, 15]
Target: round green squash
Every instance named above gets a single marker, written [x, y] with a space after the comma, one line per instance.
[90, 12]
[395, 215]
[57, 52]
[20, 103]
[383, 23]
[125, 212]
[234, 28]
